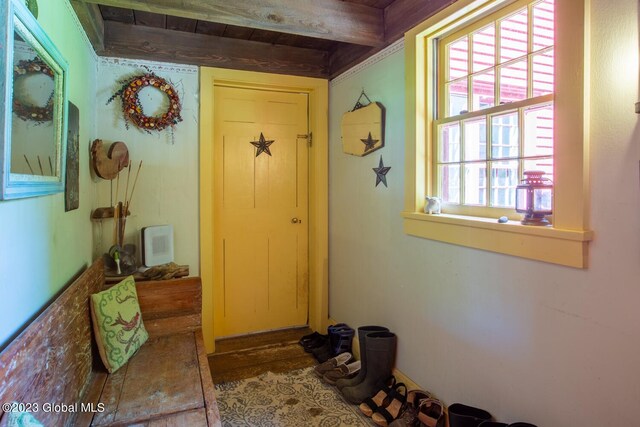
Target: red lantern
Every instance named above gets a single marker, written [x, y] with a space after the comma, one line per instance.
[534, 198]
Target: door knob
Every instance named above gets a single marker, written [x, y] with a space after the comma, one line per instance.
[296, 221]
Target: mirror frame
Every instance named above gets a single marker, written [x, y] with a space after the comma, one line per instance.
[14, 14]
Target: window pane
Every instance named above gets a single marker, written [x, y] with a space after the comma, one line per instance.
[457, 96]
[504, 176]
[475, 139]
[449, 149]
[483, 85]
[543, 25]
[458, 59]
[542, 73]
[513, 82]
[484, 48]
[475, 184]
[449, 183]
[505, 136]
[513, 36]
[538, 131]
[545, 165]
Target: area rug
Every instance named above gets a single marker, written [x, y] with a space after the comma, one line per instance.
[292, 399]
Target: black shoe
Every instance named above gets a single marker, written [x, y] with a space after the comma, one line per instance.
[316, 342]
[322, 353]
[305, 340]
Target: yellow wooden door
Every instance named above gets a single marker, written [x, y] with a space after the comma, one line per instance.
[260, 210]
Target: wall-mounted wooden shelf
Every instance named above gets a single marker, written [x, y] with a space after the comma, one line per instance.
[102, 213]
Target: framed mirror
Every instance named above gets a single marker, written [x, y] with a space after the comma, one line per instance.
[33, 112]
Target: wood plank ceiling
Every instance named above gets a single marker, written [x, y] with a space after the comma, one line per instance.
[314, 38]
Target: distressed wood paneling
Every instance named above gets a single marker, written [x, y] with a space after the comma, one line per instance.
[116, 14]
[181, 24]
[91, 19]
[171, 325]
[399, 17]
[325, 19]
[197, 417]
[185, 48]
[264, 36]
[210, 28]
[306, 42]
[167, 383]
[402, 15]
[150, 19]
[379, 4]
[163, 378]
[92, 396]
[208, 390]
[348, 55]
[168, 298]
[51, 361]
[235, 32]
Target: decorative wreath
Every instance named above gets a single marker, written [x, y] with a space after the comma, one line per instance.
[129, 93]
[29, 111]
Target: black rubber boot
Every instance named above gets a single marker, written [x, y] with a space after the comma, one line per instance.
[362, 333]
[381, 354]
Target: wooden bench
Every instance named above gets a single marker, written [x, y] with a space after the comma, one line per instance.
[53, 366]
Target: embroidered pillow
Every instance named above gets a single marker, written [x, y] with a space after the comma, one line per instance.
[117, 323]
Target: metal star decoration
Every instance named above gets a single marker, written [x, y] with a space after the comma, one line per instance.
[381, 173]
[369, 143]
[262, 145]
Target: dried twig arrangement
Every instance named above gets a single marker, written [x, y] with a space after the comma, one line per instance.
[121, 209]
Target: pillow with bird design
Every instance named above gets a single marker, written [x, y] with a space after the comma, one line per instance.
[117, 323]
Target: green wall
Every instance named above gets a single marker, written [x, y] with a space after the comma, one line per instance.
[41, 246]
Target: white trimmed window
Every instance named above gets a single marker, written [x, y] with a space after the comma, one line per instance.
[494, 88]
[494, 108]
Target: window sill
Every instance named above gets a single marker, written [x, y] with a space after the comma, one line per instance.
[547, 244]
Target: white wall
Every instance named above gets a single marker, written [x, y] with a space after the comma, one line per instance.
[41, 246]
[167, 189]
[525, 340]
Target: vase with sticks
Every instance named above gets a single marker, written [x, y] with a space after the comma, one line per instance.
[123, 256]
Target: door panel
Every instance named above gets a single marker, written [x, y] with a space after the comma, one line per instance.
[260, 254]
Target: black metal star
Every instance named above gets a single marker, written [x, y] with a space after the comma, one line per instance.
[369, 143]
[381, 173]
[262, 145]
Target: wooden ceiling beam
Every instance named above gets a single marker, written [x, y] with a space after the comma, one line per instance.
[91, 20]
[154, 44]
[325, 19]
[399, 17]
[402, 15]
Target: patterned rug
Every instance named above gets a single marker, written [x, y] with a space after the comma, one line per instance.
[292, 399]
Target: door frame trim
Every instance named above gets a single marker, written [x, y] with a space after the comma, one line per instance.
[318, 91]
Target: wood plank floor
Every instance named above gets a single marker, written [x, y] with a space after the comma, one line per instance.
[251, 355]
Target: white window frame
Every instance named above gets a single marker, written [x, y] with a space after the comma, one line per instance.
[566, 242]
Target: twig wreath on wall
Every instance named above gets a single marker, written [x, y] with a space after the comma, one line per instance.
[21, 107]
[129, 93]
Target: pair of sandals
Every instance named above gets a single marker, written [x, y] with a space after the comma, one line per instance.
[393, 406]
[387, 404]
[421, 410]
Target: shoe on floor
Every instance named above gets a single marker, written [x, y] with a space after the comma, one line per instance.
[409, 417]
[342, 371]
[334, 362]
[316, 342]
[305, 340]
[322, 353]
